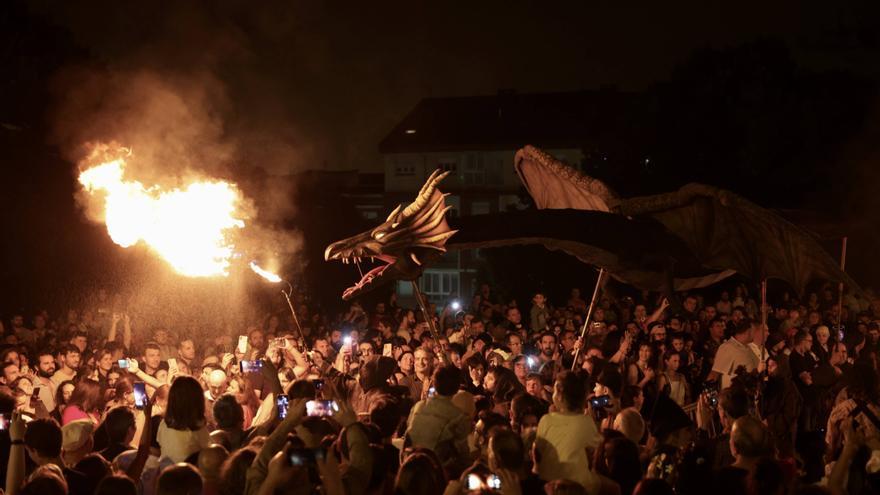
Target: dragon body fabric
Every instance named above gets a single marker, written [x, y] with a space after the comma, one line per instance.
[676, 241]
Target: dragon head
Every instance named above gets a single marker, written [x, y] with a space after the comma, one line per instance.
[404, 244]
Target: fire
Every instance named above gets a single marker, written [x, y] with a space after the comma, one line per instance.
[191, 227]
[266, 274]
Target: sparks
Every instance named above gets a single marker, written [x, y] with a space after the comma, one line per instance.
[191, 228]
[271, 277]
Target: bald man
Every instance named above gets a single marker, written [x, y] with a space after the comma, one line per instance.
[749, 442]
[217, 383]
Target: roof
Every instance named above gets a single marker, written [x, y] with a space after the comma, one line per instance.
[510, 120]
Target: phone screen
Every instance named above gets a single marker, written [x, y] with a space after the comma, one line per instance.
[477, 483]
[4, 422]
[321, 407]
[251, 366]
[282, 403]
[387, 350]
[600, 401]
[305, 457]
[140, 395]
[123, 363]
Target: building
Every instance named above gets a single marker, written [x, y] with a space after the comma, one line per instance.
[475, 138]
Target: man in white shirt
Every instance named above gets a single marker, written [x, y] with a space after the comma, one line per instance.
[733, 353]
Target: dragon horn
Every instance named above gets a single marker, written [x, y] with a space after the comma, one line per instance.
[424, 194]
[393, 214]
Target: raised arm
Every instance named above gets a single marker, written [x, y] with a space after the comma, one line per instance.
[655, 316]
[126, 331]
[142, 375]
[143, 452]
[15, 467]
[256, 474]
[114, 322]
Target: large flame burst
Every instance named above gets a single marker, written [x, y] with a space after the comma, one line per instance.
[190, 227]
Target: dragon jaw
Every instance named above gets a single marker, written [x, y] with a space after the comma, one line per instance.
[406, 242]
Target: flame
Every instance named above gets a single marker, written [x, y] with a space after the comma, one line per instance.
[271, 277]
[190, 227]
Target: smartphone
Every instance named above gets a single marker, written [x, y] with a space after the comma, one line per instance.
[242, 343]
[346, 340]
[387, 350]
[600, 401]
[712, 398]
[251, 366]
[305, 457]
[432, 392]
[281, 403]
[140, 395]
[321, 407]
[532, 362]
[123, 364]
[4, 422]
[475, 482]
[172, 364]
[840, 335]
[36, 393]
[455, 305]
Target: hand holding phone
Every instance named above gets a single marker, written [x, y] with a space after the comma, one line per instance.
[305, 457]
[140, 395]
[600, 402]
[282, 403]
[251, 366]
[321, 408]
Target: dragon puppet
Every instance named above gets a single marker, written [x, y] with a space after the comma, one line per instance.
[683, 240]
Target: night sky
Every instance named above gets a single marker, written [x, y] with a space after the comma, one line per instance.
[292, 86]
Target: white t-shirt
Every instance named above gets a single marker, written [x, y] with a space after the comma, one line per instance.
[562, 441]
[731, 355]
[177, 445]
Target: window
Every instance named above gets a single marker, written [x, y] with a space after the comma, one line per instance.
[480, 208]
[474, 170]
[404, 170]
[455, 202]
[448, 164]
[438, 285]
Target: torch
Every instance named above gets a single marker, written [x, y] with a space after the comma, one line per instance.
[275, 279]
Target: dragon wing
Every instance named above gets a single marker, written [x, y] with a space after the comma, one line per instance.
[724, 231]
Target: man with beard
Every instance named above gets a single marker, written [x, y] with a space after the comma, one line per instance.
[45, 370]
[70, 357]
[549, 351]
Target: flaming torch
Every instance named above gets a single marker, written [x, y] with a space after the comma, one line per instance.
[189, 227]
[275, 279]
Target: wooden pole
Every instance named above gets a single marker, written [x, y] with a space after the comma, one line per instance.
[840, 289]
[589, 315]
[429, 319]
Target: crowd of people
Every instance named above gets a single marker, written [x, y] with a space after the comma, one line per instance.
[653, 395]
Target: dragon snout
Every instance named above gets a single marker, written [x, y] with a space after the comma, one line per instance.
[330, 252]
[351, 248]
